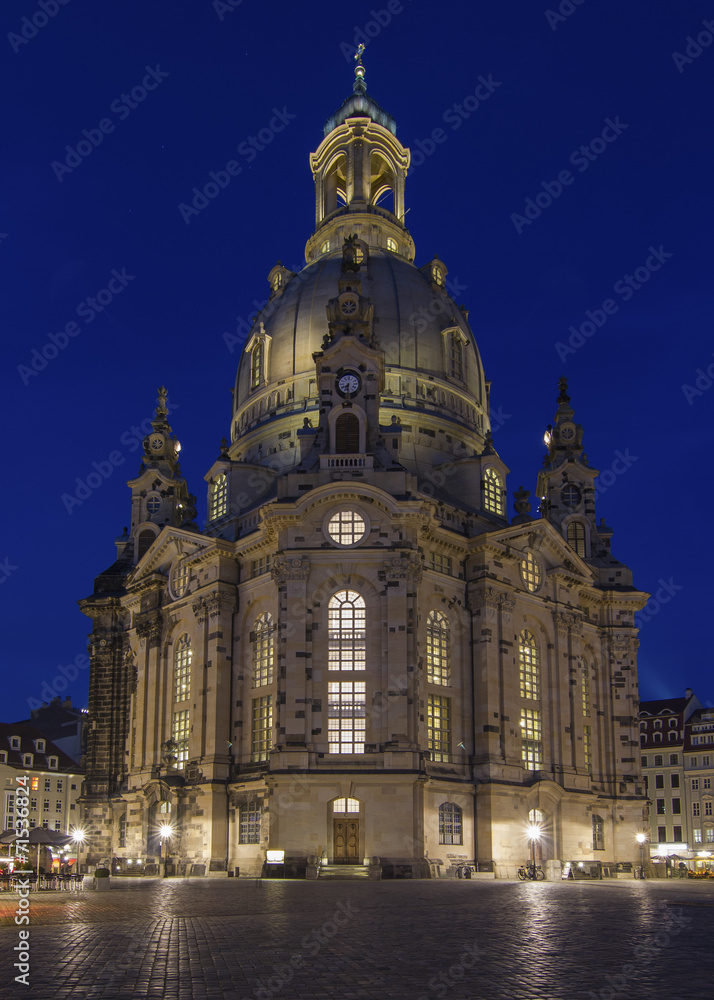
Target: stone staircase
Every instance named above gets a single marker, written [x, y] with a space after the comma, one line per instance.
[343, 871]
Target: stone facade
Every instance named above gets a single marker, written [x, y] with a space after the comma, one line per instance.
[360, 658]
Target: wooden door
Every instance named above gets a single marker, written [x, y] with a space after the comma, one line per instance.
[346, 841]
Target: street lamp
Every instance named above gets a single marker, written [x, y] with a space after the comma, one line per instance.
[534, 834]
[165, 831]
[78, 838]
[642, 840]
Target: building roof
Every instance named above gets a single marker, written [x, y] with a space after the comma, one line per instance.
[28, 744]
[665, 706]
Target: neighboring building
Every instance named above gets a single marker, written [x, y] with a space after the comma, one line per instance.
[55, 779]
[62, 724]
[360, 656]
[675, 735]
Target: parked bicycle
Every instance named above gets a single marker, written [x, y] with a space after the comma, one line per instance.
[532, 872]
[640, 872]
[465, 870]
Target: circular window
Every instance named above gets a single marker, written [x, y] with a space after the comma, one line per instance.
[530, 570]
[348, 305]
[570, 495]
[180, 576]
[346, 527]
[153, 505]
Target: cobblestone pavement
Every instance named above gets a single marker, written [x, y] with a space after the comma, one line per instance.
[249, 940]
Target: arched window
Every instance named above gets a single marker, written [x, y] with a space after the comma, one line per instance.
[492, 492]
[347, 434]
[262, 638]
[249, 823]
[256, 365]
[438, 654]
[144, 543]
[345, 806]
[183, 655]
[456, 356]
[529, 667]
[219, 497]
[576, 537]
[536, 817]
[347, 636]
[585, 688]
[598, 833]
[530, 570]
[450, 823]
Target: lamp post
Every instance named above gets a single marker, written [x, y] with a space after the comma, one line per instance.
[642, 840]
[534, 833]
[165, 832]
[78, 837]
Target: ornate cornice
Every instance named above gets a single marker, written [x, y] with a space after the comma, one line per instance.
[149, 628]
[284, 568]
[568, 621]
[410, 568]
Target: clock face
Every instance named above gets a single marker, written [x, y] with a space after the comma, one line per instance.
[348, 383]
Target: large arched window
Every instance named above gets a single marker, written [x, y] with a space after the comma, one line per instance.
[450, 823]
[438, 654]
[183, 655]
[347, 434]
[576, 537]
[347, 636]
[456, 356]
[262, 639]
[529, 666]
[493, 492]
[219, 497]
[256, 365]
[598, 833]
[144, 542]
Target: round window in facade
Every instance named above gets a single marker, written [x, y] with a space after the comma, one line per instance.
[570, 495]
[153, 504]
[346, 527]
[530, 570]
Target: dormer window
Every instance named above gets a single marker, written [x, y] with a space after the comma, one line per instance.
[27, 759]
[325, 247]
[3, 756]
[219, 497]
[40, 746]
[456, 356]
[437, 275]
[392, 245]
[14, 742]
[576, 537]
[493, 492]
[256, 366]
[52, 763]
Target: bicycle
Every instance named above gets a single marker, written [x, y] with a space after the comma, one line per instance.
[464, 870]
[532, 872]
[639, 871]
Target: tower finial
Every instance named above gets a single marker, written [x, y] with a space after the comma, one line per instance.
[359, 86]
[563, 386]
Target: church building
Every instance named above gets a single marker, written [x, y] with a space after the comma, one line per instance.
[362, 660]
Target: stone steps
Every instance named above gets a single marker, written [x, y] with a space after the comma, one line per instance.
[343, 871]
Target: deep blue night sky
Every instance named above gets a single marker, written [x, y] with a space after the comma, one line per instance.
[219, 72]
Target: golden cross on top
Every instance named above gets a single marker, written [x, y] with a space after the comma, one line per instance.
[358, 53]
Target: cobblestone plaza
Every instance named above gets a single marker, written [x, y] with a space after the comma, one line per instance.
[412, 940]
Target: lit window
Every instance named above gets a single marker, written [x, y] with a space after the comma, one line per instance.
[710, 835]
[587, 747]
[179, 734]
[325, 248]
[262, 729]
[346, 527]
[345, 806]
[182, 668]
[347, 711]
[531, 744]
[536, 817]
[576, 537]
[585, 694]
[347, 635]
[36, 784]
[438, 724]
[256, 366]
[249, 823]
[392, 244]
[529, 666]
[492, 492]
[530, 570]
[219, 497]
[438, 667]
[263, 649]
[598, 833]
[456, 356]
[277, 281]
[437, 275]
[698, 836]
[179, 579]
[450, 823]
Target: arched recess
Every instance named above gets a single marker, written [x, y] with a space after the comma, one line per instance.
[346, 436]
[335, 185]
[381, 182]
